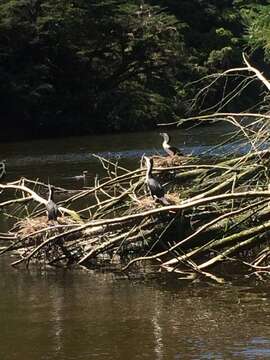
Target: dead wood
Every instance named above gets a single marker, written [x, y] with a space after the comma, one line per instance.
[219, 210]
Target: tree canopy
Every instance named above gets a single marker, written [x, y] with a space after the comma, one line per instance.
[78, 67]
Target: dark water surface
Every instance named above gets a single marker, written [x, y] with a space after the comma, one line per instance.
[81, 315]
[58, 159]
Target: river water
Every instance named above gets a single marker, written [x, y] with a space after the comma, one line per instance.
[80, 315]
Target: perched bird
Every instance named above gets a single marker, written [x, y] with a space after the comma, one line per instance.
[51, 207]
[170, 150]
[156, 189]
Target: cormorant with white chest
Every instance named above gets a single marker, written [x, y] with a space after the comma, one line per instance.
[156, 189]
[51, 207]
[170, 150]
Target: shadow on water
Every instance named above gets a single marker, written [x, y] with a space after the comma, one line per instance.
[68, 315]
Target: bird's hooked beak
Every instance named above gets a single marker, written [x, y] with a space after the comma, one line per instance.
[164, 135]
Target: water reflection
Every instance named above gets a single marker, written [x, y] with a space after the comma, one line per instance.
[82, 315]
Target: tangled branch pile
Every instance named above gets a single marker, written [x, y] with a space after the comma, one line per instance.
[219, 212]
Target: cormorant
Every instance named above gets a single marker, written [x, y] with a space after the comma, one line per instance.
[170, 150]
[156, 189]
[51, 207]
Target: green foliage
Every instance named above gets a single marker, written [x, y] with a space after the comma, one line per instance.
[84, 65]
[80, 66]
[257, 21]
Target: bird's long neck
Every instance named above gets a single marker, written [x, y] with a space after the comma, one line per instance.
[50, 198]
[166, 140]
[149, 169]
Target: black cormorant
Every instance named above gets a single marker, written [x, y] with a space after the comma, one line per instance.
[51, 207]
[156, 189]
[170, 150]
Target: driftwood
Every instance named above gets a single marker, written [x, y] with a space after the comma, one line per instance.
[214, 214]
[218, 213]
